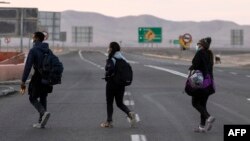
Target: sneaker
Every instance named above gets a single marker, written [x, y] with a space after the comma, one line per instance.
[106, 124]
[37, 125]
[200, 129]
[210, 122]
[45, 118]
[132, 119]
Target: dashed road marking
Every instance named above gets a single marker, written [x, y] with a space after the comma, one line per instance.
[168, 70]
[137, 137]
[248, 76]
[127, 94]
[233, 73]
[129, 102]
[137, 118]
[248, 99]
[220, 70]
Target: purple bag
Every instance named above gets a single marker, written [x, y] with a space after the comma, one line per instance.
[207, 86]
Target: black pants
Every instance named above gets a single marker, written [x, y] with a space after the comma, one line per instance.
[200, 104]
[38, 98]
[117, 93]
[40, 105]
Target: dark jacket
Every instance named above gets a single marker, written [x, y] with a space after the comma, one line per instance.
[203, 61]
[34, 59]
[110, 65]
[109, 69]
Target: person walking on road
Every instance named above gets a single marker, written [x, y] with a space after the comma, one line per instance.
[203, 61]
[37, 90]
[114, 91]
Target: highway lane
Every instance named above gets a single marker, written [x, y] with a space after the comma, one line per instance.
[232, 92]
[165, 113]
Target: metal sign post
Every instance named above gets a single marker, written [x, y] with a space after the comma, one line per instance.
[21, 31]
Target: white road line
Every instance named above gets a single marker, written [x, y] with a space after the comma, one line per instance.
[220, 70]
[137, 137]
[129, 102]
[248, 76]
[129, 61]
[248, 99]
[106, 54]
[133, 62]
[88, 61]
[168, 70]
[233, 73]
[137, 118]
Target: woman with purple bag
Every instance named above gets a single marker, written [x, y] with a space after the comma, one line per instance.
[203, 62]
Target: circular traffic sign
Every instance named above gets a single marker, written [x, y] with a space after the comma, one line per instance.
[187, 38]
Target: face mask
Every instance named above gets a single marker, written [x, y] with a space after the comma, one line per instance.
[109, 50]
[197, 47]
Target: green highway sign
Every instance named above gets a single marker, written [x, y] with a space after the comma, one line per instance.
[149, 34]
[176, 42]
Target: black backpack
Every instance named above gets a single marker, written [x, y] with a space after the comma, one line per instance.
[51, 69]
[123, 74]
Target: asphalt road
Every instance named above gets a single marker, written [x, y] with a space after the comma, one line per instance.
[164, 113]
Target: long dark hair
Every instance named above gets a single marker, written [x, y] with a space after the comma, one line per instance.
[205, 43]
[114, 48]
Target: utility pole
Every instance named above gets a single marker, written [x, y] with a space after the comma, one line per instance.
[21, 30]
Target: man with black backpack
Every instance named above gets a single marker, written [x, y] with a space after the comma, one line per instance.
[42, 81]
[118, 75]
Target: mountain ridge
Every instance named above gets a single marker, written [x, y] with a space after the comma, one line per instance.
[125, 29]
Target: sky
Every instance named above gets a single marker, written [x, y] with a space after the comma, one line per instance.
[237, 11]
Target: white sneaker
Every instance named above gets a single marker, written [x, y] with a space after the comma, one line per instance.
[132, 119]
[45, 118]
[200, 129]
[210, 122]
[37, 125]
